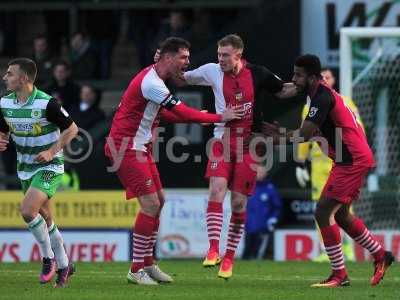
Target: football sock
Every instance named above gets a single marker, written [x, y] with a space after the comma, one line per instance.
[359, 233]
[39, 230]
[142, 234]
[235, 232]
[57, 245]
[214, 224]
[333, 247]
[149, 258]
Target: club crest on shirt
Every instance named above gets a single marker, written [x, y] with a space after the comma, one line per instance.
[313, 111]
[36, 113]
[238, 96]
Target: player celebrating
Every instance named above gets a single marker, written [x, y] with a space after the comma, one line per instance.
[35, 120]
[129, 145]
[321, 165]
[330, 117]
[238, 83]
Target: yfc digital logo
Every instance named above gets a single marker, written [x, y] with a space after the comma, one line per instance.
[174, 245]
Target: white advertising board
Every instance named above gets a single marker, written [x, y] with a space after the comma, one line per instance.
[183, 231]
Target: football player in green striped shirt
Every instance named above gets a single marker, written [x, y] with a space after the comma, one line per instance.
[40, 128]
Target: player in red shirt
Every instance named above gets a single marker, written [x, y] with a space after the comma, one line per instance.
[235, 83]
[346, 144]
[129, 149]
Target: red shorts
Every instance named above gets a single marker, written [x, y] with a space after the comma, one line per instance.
[345, 182]
[239, 170]
[138, 174]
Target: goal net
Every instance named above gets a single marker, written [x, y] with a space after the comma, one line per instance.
[370, 75]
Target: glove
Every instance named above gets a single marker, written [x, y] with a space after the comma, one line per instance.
[302, 176]
[271, 224]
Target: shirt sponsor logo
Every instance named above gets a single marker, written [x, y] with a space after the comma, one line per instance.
[247, 107]
[149, 182]
[248, 110]
[313, 112]
[214, 165]
[36, 113]
[22, 127]
[9, 113]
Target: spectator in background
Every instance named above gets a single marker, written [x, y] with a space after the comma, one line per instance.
[9, 156]
[62, 87]
[202, 33]
[87, 113]
[8, 33]
[143, 27]
[44, 61]
[103, 35]
[83, 59]
[263, 211]
[175, 26]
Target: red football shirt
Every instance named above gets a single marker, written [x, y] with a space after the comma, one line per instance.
[346, 138]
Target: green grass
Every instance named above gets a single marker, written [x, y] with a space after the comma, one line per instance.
[251, 280]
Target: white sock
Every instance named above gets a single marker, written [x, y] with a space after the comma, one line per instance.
[38, 228]
[57, 244]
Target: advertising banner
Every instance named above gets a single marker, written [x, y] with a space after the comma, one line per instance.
[85, 209]
[322, 20]
[88, 246]
[183, 231]
[305, 244]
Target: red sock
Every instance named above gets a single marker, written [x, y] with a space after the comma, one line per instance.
[142, 233]
[236, 228]
[359, 233]
[333, 247]
[149, 257]
[214, 224]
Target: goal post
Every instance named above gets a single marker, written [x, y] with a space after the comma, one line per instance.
[370, 75]
[347, 34]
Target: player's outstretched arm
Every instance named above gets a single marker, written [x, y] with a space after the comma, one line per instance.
[303, 134]
[289, 90]
[275, 85]
[192, 115]
[170, 117]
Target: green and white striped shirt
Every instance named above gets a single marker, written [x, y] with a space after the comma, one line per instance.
[33, 131]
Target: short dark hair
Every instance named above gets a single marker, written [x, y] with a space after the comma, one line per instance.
[324, 69]
[231, 40]
[310, 63]
[173, 44]
[40, 37]
[28, 66]
[64, 63]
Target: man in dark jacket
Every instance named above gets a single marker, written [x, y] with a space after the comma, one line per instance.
[63, 88]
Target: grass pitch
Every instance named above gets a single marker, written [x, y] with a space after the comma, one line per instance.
[250, 281]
